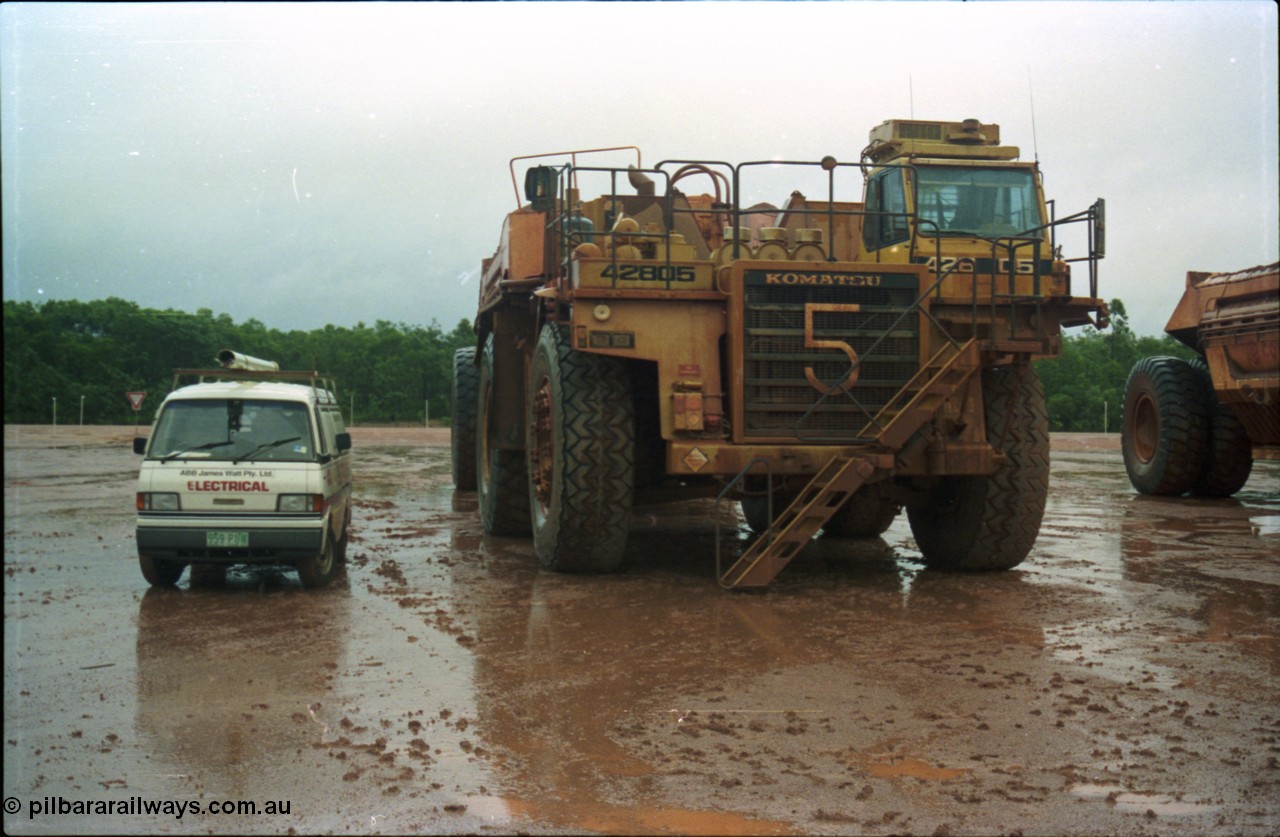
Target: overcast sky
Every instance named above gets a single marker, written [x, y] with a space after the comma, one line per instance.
[309, 163]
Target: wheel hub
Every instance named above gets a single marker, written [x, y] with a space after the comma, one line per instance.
[1146, 428]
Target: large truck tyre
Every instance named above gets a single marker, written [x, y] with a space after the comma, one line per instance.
[1228, 456]
[462, 437]
[581, 451]
[501, 478]
[755, 508]
[991, 522]
[868, 514]
[1166, 426]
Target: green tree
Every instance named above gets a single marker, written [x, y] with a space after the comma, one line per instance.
[102, 349]
[1084, 385]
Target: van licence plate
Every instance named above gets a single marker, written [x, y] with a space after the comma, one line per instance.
[226, 539]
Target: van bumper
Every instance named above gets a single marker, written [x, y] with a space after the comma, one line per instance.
[265, 545]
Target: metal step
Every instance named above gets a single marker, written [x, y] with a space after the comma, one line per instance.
[799, 522]
[917, 402]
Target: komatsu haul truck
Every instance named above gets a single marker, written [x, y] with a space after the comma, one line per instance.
[827, 361]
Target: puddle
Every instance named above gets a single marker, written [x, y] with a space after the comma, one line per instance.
[1147, 804]
[914, 769]
[448, 685]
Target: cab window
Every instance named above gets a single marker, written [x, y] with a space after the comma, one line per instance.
[886, 208]
[973, 201]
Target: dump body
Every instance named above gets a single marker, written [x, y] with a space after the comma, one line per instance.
[1233, 319]
[856, 335]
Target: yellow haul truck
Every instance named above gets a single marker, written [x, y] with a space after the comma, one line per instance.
[825, 362]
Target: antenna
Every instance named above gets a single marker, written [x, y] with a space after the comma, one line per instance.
[1035, 144]
[911, 97]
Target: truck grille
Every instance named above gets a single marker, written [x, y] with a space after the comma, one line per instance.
[777, 397]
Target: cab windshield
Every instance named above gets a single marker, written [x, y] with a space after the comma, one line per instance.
[986, 202]
[233, 430]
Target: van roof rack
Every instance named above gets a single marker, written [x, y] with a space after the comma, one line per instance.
[319, 381]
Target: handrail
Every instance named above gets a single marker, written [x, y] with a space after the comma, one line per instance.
[919, 230]
[573, 157]
[729, 487]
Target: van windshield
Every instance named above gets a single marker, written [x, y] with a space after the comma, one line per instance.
[986, 202]
[226, 430]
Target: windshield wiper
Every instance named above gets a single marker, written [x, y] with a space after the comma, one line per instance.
[205, 446]
[264, 446]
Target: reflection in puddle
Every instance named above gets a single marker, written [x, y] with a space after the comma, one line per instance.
[1149, 804]
[1266, 525]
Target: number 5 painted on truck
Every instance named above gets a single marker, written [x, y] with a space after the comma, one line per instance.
[810, 342]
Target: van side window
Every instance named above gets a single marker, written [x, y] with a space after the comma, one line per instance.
[329, 419]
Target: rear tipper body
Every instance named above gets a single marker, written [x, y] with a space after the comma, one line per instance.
[826, 361]
[1196, 427]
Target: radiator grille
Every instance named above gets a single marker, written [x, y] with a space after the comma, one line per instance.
[777, 398]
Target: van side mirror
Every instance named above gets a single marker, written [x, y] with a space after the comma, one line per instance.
[540, 187]
[139, 444]
[344, 442]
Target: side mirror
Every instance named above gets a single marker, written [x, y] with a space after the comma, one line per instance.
[540, 187]
[1099, 228]
[344, 441]
[139, 444]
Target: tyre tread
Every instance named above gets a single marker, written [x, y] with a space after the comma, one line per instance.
[1176, 388]
[462, 436]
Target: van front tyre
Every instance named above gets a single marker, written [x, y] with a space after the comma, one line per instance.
[319, 570]
[160, 573]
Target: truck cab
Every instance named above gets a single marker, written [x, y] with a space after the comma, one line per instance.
[246, 465]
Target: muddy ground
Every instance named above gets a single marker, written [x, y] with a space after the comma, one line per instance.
[1124, 680]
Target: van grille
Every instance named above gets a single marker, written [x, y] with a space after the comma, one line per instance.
[777, 398]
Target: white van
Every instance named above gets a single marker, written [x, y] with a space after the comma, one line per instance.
[248, 465]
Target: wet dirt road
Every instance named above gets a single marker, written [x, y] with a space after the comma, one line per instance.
[1124, 680]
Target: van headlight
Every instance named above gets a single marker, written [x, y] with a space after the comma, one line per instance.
[300, 503]
[158, 501]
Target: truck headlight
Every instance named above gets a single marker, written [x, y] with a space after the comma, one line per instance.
[158, 501]
[300, 503]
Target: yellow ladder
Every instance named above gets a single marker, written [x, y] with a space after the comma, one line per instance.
[918, 402]
[796, 526]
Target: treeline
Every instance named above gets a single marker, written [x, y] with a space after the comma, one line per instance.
[99, 350]
[1084, 386]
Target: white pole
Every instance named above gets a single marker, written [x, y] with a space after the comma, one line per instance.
[428, 411]
[353, 409]
[1104, 416]
[55, 412]
[82, 411]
